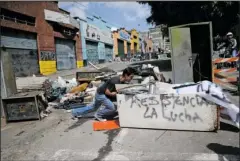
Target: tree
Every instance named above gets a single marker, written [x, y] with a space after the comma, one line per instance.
[223, 14]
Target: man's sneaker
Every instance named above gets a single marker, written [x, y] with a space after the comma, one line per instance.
[99, 118]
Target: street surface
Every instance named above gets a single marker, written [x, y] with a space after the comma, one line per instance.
[58, 137]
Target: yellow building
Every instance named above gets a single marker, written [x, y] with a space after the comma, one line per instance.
[121, 42]
[135, 44]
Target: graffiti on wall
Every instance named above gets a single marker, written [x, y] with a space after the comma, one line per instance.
[185, 105]
[173, 111]
[47, 55]
[92, 56]
[25, 62]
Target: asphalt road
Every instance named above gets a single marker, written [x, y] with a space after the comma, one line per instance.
[58, 137]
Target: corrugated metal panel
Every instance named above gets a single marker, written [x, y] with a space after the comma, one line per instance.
[101, 51]
[108, 52]
[92, 52]
[65, 52]
[128, 48]
[19, 40]
[25, 62]
[120, 48]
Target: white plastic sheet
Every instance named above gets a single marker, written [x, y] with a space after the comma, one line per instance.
[211, 92]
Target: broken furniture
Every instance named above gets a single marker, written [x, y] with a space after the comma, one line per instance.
[22, 106]
[16, 106]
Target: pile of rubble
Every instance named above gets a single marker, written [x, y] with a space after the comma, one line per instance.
[68, 94]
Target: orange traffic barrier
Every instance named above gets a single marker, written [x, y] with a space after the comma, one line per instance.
[221, 76]
[223, 60]
[106, 125]
[225, 70]
[225, 80]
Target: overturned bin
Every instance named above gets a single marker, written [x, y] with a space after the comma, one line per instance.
[167, 111]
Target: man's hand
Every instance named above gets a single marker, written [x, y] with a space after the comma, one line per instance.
[113, 93]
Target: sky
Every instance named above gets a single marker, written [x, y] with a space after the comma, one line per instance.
[118, 14]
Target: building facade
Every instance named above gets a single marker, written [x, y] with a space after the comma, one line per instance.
[158, 40]
[156, 35]
[97, 41]
[122, 42]
[135, 44]
[146, 42]
[40, 37]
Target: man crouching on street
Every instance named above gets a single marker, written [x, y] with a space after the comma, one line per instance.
[105, 96]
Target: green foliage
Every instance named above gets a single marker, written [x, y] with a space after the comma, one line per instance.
[224, 15]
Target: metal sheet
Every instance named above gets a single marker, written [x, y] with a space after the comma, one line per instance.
[60, 18]
[8, 82]
[24, 61]
[19, 40]
[179, 112]
[101, 51]
[108, 52]
[181, 55]
[120, 48]
[65, 52]
[23, 107]
[92, 52]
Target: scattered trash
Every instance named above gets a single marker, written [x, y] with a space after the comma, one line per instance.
[79, 88]
[74, 96]
[20, 133]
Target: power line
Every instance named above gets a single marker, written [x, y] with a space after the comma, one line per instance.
[115, 25]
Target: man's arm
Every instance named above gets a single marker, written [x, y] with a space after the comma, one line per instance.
[110, 86]
[112, 94]
[234, 43]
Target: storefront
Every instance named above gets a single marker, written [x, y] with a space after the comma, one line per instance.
[65, 54]
[121, 40]
[23, 48]
[121, 48]
[92, 52]
[98, 42]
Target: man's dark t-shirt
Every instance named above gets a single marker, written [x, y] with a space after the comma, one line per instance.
[110, 85]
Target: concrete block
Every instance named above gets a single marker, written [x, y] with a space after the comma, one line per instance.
[168, 111]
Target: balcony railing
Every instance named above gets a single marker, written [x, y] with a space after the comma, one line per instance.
[3, 17]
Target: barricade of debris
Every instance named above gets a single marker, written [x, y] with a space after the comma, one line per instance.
[78, 92]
